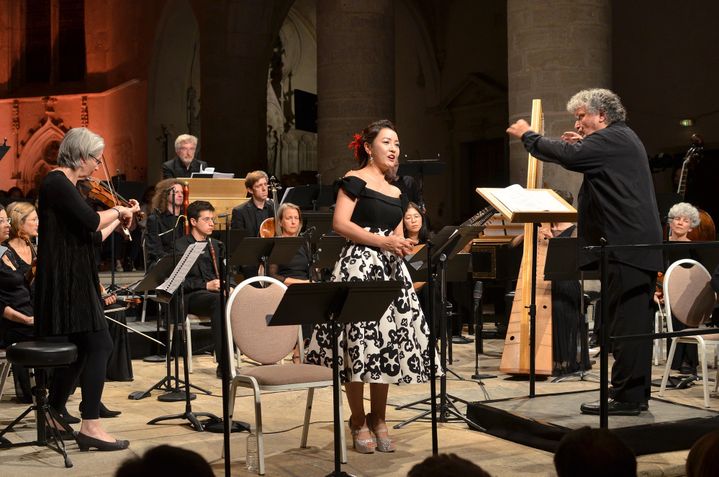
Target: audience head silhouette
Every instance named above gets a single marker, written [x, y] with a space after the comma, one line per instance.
[446, 465]
[594, 453]
[702, 460]
[166, 460]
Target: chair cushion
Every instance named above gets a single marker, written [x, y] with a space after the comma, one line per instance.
[278, 374]
[41, 354]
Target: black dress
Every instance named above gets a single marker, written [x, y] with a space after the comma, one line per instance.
[67, 297]
[395, 349]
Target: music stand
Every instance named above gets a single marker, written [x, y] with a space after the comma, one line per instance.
[563, 264]
[322, 221]
[165, 292]
[419, 168]
[335, 303]
[152, 279]
[455, 239]
[303, 197]
[253, 250]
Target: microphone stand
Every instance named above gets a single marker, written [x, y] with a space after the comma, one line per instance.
[478, 343]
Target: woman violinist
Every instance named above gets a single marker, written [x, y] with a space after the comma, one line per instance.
[67, 299]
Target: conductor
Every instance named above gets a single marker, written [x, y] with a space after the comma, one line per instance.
[617, 203]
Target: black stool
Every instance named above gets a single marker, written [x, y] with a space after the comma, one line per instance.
[41, 356]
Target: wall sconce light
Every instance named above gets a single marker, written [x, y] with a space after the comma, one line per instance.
[686, 123]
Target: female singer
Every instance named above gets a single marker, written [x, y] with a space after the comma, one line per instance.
[166, 211]
[394, 349]
[67, 299]
[415, 228]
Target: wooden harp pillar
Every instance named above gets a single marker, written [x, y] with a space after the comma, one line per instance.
[516, 357]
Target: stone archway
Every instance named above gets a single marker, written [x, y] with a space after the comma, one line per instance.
[39, 156]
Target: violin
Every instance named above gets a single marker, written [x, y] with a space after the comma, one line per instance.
[101, 193]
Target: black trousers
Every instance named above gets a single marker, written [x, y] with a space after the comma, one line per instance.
[631, 311]
[207, 303]
[94, 348]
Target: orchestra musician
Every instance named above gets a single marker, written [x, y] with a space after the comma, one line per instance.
[166, 215]
[23, 231]
[298, 270]
[184, 163]
[617, 203]
[415, 227]
[202, 283]
[16, 310]
[682, 218]
[394, 350]
[67, 289]
[250, 215]
[407, 185]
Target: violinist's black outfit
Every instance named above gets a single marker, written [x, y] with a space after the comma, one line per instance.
[198, 299]
[67, 294]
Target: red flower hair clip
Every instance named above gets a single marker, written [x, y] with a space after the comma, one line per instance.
[355, 145]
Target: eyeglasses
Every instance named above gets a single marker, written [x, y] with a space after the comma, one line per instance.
[208, 219]
[96, 159]
[5, 221]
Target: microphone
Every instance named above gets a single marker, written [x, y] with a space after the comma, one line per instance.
[477, 295]
[308, 231]
[222, 216]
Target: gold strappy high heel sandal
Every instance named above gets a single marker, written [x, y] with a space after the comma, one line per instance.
[364, 445]
[381, 434]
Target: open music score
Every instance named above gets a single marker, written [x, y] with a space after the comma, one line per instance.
[223, 194]
[520, 205]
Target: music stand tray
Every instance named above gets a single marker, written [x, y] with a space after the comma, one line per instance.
[329, 248]
[335, 303]
[321, 220]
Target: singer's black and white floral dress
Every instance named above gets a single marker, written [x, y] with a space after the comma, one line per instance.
[395, 349]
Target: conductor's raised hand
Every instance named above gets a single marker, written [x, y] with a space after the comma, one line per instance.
[571, 137]
[519, 128]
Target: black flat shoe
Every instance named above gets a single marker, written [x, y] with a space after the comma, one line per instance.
[86, 443]
[105, 412]
[68, 418]
[616, 408]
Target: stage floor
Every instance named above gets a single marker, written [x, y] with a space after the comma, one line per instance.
[282, 419]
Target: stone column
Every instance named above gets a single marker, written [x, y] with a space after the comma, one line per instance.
[355, 76]
[554, 50]
[236, 39]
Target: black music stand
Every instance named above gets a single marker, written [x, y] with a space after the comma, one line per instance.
[326, 252]
[254, 250]
[322, 221]
[419, 168]
[451, 240]
[335, 303]
[563, 264]
[177, 278]
[153, 278]
[304, 196]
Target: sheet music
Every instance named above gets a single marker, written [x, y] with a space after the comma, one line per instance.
[517, 198]
[284, 196]
[178, 275]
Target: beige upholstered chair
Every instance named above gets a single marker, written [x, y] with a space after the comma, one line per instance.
[688, 296]
[248, 333]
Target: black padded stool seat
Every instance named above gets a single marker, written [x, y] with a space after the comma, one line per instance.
[41, 354]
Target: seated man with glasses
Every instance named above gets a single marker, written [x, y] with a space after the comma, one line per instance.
[184, 164]
[202, 283]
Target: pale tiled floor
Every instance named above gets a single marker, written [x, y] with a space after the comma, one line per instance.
[283, 419]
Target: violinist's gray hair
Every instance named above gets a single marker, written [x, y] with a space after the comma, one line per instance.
[79, 144]
[598, 100]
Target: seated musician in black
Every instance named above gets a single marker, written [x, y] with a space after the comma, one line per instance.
[16, 310]
[298, 270]
[166, 210]
[250, 215]
[185, 163]
[202, 284]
